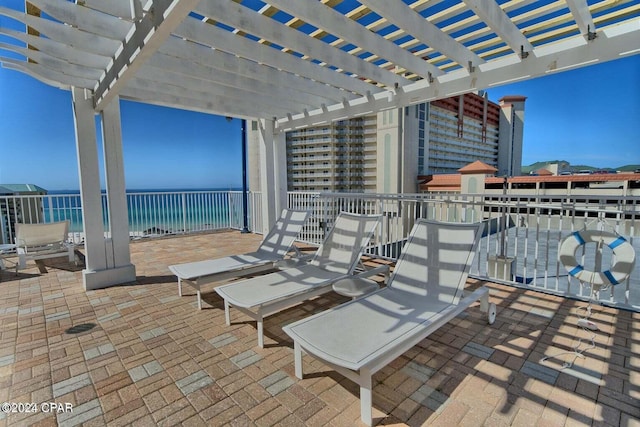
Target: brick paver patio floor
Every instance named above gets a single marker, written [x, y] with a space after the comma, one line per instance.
[151, 358]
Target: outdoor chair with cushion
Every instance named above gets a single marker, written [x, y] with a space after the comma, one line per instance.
[273, 249]
[336, 258]
[42, 241]
[362, 336]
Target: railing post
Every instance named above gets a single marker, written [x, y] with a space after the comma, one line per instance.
[184, 213]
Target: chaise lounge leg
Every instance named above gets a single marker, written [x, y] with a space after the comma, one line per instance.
[366, 397]
[297, 357]
[179, 286]
[260, 321]
[484, 302]
[199, 300]
[22, 262]
[487, 307]
[227, 316]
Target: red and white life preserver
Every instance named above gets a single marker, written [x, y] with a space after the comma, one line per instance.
[625, 257]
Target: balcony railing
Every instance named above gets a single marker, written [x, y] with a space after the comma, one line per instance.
[521, 239]
[151, 214]
[519, 246]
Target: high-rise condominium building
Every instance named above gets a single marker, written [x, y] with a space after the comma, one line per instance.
[387, 151]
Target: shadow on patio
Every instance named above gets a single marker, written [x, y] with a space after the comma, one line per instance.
[142, 355]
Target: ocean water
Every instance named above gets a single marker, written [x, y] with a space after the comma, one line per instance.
[152, 211]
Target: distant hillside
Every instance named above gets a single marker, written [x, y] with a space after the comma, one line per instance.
[566, 166]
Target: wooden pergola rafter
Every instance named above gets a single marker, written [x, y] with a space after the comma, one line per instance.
[296, 60]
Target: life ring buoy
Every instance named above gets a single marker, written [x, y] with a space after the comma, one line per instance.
[625, 257]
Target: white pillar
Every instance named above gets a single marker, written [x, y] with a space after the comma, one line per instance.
[106, 262]
[87, 150]
[273, 173]
[117, 247]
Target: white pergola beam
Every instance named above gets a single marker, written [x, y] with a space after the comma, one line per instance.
[335, 23]
[47, 75]
[201, 88]
[54, 64]
[245, 19]
[148, 94]
[130, 10]
[289, 84]
[210, 78]
[150, 32]
[396, 12]
[86, 19]
[218, 38]
[573, 53]
[65, 34]
[59, 50]
[580, 11]
[29, 72]
[496, 19]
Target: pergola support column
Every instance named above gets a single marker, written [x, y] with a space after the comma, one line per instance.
[273, 172]
[117, 246]
[100, 254]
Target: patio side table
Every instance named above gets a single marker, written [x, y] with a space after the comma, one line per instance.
[354, 287]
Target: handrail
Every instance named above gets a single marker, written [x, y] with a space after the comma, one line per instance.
[520, 245]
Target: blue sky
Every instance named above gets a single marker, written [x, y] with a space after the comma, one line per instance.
[585, 116]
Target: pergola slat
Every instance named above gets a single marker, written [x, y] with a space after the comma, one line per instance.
[422, 29]
[274, 65]
[85, 19]
[174, 97]
[150, 32]
[59, 50]
[580, 11]
[55, 64]
[575, 52]
[218, 75]
[337, 24]
[499, 22]
[165, 69]
[241, 18]
[211, 35]
[65, 34]
[46, 75]
[129, 10]
[221, 60]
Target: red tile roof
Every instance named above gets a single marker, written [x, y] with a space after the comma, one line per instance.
[568, 178]
[452, 182]
[477, 167]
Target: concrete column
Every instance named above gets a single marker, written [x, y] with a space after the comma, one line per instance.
[117, 247]
[273, 173]
[87, 150]
[511, 135]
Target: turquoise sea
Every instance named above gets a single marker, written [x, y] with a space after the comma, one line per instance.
[153, 211]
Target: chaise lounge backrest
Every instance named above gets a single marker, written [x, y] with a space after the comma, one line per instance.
[42, 241]
[31, 236]
[436, 260]
[341, 249]
[282, 235]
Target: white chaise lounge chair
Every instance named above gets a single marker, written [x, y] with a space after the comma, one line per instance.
[335, 259]
[360, 337]
[273, 248]
[42, 241]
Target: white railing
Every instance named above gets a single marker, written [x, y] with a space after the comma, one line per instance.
[520, 244]
[151, 214]
[521, 239]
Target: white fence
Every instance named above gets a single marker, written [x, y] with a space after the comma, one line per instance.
[520, 243]
[151, 214]
[521, 239]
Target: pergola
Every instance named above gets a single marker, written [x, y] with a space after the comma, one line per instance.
[286, 64]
